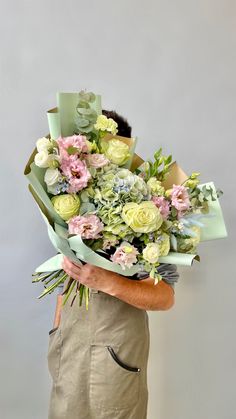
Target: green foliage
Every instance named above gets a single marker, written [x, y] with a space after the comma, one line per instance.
[200, 197]
[159, 168]
[174, 212]
[86, 116]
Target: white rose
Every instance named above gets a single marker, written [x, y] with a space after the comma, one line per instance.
[117, 152]
[43, 144]
[42, 159]
[51, 176]
[151, 252]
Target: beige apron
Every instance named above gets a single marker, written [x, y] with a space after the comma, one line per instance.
[97, 359]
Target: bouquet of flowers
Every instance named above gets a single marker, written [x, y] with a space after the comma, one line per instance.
[104, 205]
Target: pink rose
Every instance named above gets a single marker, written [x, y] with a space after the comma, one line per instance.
[87, 226]
[96, 160]
[163, 205]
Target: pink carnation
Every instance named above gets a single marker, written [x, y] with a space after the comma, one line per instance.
[180, 199]
[124, 258]
[163, 205]
[87, 226]
[96, 160]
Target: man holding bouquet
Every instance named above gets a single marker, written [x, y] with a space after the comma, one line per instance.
[98, 357]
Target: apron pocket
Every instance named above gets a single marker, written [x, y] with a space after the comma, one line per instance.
[114, 384]
[52, 330]
[54, 352]
[121, 363]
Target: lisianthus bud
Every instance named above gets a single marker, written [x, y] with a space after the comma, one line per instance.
[191, 183]
[168, 192]
[53, 161]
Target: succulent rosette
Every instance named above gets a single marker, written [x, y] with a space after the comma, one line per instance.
[131, 219]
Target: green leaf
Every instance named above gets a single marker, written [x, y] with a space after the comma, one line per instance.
[173, 211]
[87, 96]
[72, 150]
[83, 104]
[168, 159]
[85, 111]
[157, 153]
[82, 122]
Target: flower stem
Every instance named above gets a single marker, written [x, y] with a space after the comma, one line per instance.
[69, 291]
[53, 286]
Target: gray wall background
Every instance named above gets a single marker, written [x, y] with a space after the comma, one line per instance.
[170, 67]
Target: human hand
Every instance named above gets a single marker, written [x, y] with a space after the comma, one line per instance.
[89, 275]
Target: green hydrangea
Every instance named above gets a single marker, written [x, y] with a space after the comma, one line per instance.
[120, 185]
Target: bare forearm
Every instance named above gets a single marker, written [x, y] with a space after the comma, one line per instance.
[141, 294]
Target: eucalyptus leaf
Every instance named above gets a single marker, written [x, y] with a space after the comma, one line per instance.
[87, 96]
[82, 122]
[83, 104]
[87, 111]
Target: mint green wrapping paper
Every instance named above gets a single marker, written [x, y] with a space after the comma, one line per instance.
[52, 264]
[183, 259]
[54, 123]
[35, 176]
[214, 225]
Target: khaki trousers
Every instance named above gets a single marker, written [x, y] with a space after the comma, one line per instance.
[97, 359]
